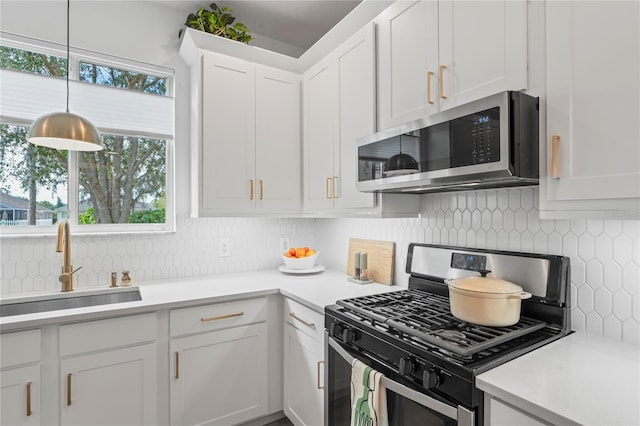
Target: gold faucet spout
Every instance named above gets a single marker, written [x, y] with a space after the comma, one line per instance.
[64, 243]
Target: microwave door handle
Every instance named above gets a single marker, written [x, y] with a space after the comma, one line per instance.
[417, 397]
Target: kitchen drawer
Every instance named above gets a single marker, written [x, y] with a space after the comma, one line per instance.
[304, 319]
[217, 316]
[106, 334]
[21, 347]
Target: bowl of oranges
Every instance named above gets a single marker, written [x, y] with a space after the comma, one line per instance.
[300, 258]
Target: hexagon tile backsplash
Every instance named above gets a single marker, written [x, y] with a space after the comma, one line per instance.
[605, 254]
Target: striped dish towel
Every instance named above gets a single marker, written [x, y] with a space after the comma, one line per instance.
[368, 396]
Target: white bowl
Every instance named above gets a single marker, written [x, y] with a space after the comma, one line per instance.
[306, 262]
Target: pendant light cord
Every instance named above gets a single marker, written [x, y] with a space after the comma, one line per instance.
[68, 14]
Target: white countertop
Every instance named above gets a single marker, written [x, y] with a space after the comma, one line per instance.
[580, 379]
[313, 290]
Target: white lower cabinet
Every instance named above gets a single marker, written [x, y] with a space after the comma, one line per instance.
[498, 413]
[116, 387]
[20, 379]
[219, 375]
[108, 372]
[303, 365]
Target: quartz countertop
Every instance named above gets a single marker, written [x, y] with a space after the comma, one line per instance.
[581, 379]
[313, 290]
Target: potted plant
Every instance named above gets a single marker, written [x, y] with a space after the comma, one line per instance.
[218, 21]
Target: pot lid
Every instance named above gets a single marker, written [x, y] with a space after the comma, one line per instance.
[485, 285]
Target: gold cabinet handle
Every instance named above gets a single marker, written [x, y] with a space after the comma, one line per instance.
[327, 183]
[441, 79]
[68, 389]
[261, 189]
[237, 314]
[334, 188]
[555, 146]
[29, 412]
[308, 324]
[318, 376]
[177, 365]
[251, 189]
[429, 75]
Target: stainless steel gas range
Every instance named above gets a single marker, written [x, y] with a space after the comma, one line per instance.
[430, 358]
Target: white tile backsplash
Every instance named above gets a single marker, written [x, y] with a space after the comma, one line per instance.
[605, 254]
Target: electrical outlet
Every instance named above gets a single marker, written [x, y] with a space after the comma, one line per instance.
[284, 244]
[224, 247]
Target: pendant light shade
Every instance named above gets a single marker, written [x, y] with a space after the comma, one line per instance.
[64, 130]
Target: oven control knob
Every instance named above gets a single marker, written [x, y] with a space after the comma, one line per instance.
[348, 336]
[335, 329]
[430, 378]
[406, 366]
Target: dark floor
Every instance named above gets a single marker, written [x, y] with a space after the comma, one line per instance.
[281, 422]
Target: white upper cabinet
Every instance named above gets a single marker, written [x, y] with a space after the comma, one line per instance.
[248, 138]
[408, 57]
[592, 110]
[339, 106]
[436, 55]
[227, 158]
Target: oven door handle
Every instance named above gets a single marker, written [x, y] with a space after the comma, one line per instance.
[459, 413]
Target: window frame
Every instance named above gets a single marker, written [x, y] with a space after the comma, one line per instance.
[73, 183]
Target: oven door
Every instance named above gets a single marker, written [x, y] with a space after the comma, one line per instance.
[405, 406]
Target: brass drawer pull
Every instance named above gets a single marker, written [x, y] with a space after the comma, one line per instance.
[237, 314]
[308, 324]
[441, 78]
[251, 189]
[555, 146]
[429, 75]
[177, 365]
[29, 412]
[68, 389]
[261, 190]
[318, 370]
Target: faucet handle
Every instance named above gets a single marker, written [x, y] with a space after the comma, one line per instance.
[66, 276]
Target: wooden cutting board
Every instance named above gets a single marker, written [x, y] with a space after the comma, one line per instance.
[381, 257]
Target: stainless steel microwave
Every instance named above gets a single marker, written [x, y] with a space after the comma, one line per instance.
[488, 143]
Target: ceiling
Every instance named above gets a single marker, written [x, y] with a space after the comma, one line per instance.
[299, 23]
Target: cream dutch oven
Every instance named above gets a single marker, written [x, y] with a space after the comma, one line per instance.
[486, 301]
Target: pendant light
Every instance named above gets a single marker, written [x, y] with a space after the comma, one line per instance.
[64, 130]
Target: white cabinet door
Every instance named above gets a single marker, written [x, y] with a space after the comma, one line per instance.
[278, 137]
[116, 387]
[436, 55]
[319, 129]
[593, 110]
[356, 64]
[227, 160]
[482, 49]
[340, 106]
[20, 396]
[219, 377]
[498, 413]
[408, 51]
[303, 378]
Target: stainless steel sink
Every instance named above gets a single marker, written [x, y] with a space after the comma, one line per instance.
[30, 305]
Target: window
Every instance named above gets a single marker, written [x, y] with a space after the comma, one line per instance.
[127, 187]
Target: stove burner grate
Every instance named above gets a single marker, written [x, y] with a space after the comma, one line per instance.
[426, 316]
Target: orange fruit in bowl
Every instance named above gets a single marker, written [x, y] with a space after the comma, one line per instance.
[300, 252]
